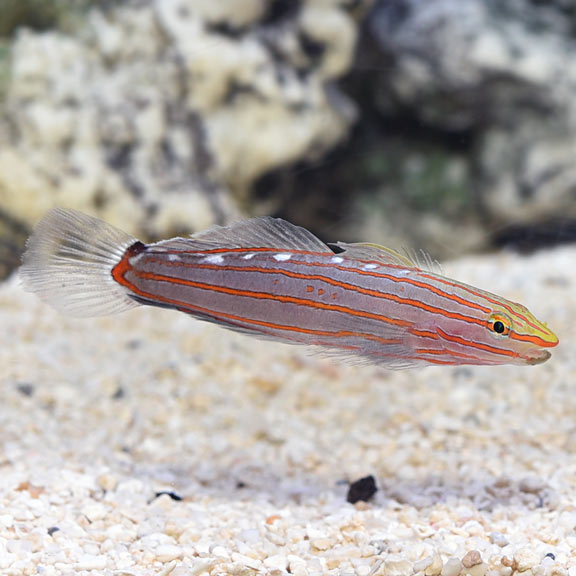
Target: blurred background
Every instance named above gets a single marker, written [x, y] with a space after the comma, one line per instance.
[448, 126]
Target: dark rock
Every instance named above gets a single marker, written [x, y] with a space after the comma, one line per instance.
[361, 490]
[172, 495]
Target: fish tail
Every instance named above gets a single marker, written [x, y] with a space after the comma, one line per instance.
[69, 260]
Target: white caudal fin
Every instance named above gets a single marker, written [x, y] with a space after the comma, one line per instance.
[68, 263]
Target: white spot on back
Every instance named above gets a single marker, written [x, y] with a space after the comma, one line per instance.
[282, 257]
[173, 257]
[134, 260]
[249, 256]
[214, 259]
[370, 266]
[337, 259]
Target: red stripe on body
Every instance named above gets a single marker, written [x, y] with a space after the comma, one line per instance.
[535, 339]
[410, 281]
[478, 345]
[269, 296]
[347, 286]
[124, 266]
[484, 295]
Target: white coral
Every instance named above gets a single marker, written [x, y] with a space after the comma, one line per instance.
[168, 102]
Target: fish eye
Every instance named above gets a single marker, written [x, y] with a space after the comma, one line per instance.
[500, 324]
[498, 327]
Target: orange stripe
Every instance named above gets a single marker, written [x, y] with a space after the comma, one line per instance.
[464, 342]
[436, 278]
[431, 288]
[484, 295]
[124, 266]
[424, 333]
[345, 285]
[242, 320]
[186, 307]
[399, 357]
[534, 339]
[446, 352]
[269, 296]
[410, 281]
[436, 361]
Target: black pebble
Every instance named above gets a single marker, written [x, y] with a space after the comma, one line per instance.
[361, 490]
[26, 389]
[172, 495]
[53, 529]
[550, 555]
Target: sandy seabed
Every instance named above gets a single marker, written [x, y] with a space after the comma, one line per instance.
[153, 444]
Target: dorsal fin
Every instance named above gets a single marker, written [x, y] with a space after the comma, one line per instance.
[424, 261]
[369, 251]
[263, 232]
[266, 232]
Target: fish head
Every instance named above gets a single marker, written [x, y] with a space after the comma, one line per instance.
[513, 327]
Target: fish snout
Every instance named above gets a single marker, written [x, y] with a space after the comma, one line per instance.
[550, 339]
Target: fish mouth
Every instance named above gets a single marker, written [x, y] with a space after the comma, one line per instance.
[538, 357]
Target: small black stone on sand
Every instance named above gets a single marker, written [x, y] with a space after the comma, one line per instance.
[361, 490]
[26, 389]
[170, 494]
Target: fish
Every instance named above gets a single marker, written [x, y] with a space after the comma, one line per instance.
[271, 279]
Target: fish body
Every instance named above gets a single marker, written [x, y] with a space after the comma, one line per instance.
[268, 278]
